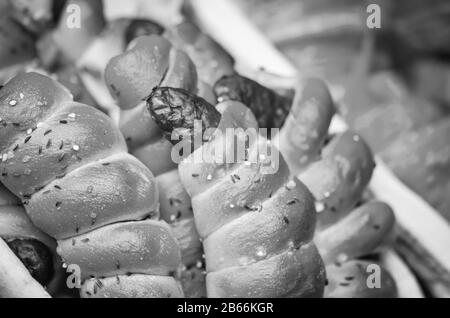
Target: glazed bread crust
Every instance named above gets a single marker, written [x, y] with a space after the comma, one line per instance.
[256, 228]
[68, 164]
[149, 62]
[337, 170]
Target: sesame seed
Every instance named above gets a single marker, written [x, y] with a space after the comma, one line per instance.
[291, 185]
[209, 177]
[21, 95]
[76, 147]
[12, 103]
[320, 206]
[261, 252]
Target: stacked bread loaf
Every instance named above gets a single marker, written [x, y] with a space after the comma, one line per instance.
[69, 165]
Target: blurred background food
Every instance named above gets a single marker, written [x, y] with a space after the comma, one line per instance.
[391, 84]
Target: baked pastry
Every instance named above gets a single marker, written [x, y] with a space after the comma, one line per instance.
[256, 228]
[69, 165]
[130, 82]
[336, 169]
[176, 210]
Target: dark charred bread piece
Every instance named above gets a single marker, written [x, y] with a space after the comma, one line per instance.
[270, 108]
[177, 109]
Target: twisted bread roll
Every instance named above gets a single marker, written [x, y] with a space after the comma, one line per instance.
[70, 166]
[336, 169]
[337, 175]
[176, 209]
[256, 228]
[170, 67]
[36, 250]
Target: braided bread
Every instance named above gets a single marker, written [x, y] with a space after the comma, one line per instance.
[336, 169]
[337, 175]
[256, 228]
[170, 67]
[176, 209]
[70, 166]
